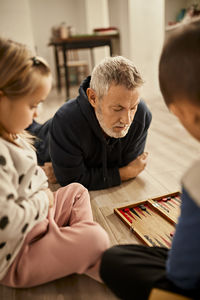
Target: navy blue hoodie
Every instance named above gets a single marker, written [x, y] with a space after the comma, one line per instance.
[79, 151]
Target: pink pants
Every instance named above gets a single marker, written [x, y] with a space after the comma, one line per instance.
[67, 241]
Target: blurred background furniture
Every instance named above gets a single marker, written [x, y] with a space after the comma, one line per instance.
[65, 46]
[78, 68]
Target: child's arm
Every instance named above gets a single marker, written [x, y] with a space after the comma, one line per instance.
[18, 212]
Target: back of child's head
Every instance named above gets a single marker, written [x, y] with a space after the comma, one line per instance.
[179, 67]
[20, 72]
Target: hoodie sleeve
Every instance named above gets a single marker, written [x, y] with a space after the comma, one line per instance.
[67, 157]
[41, 131]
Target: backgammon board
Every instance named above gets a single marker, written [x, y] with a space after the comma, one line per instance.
[153, 221]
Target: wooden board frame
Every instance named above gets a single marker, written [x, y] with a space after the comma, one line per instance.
[161, 216]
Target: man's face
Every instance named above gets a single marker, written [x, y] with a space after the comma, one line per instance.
[116, 110]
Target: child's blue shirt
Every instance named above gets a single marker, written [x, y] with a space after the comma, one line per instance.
[183, 264]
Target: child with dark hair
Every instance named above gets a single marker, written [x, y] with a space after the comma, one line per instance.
[132, 271]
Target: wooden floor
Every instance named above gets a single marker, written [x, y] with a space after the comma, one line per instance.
[171, 151]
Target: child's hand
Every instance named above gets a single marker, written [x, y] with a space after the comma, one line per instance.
[48, 169]
[50, 196]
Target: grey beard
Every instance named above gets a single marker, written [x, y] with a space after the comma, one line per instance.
[109, 131]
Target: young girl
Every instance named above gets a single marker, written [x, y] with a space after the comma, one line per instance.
[43, 236]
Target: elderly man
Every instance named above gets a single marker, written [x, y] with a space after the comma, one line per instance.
[98, 139]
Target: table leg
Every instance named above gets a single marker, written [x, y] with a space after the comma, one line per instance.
[57, 69]
[111, 50]
[92, 57]
[67, 84]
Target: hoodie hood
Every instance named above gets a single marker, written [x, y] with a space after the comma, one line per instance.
[87, 109]
[89, 113]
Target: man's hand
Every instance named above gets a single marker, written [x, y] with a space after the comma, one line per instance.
[48, 169]
[134, 167]
[50, 196]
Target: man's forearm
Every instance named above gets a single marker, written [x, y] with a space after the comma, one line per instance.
[126, 173]
[134, 167]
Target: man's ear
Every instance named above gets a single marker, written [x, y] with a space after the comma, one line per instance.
[92, 97]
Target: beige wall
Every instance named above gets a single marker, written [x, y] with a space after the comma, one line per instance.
[48, 13]
[15, 22]
[97, 17]
[118, 16]
[146, 23]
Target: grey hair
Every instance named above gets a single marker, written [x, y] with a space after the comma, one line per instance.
[116, 70]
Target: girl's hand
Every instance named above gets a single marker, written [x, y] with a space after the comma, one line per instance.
[48, 169]
[50, 196]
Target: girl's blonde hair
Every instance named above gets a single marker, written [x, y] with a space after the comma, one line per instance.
[20, 73]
